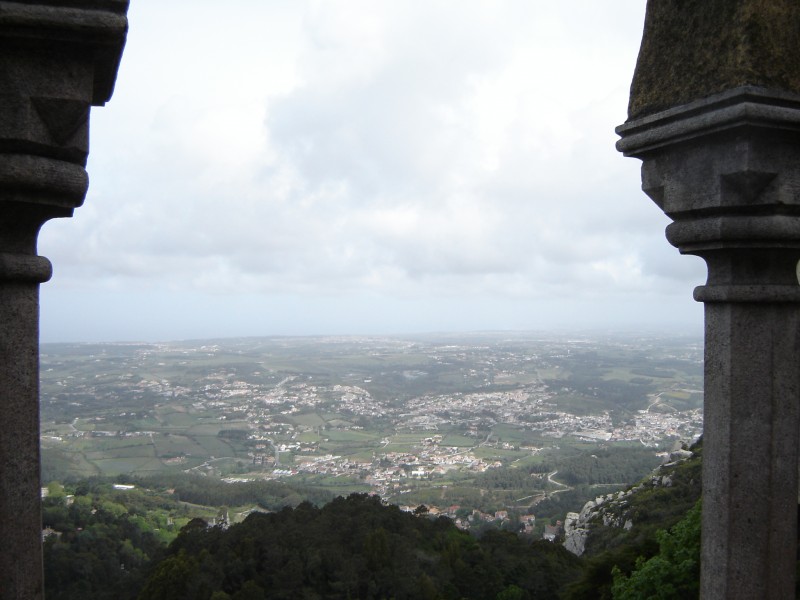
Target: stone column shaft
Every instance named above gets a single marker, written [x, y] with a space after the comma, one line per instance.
[21, 523]
[750, 450]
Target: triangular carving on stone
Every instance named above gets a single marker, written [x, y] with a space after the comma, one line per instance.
[745, 186]
[63, 118]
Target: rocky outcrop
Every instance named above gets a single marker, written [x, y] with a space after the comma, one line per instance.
[575, 535]
[614, 510]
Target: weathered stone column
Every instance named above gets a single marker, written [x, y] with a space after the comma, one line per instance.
[57, 59]
[715, 117]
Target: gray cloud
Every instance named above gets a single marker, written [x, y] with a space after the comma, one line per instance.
[419, 150]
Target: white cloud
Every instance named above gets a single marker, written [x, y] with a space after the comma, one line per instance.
[417, 150]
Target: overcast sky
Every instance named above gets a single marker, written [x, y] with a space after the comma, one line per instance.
[366, 167]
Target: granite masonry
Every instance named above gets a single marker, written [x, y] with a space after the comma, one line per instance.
[57, 59]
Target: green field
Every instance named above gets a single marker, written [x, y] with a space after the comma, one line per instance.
[510, 433]
[309, 419]
[498, 454]
[334, 435]
[459, 441]
[169, 445]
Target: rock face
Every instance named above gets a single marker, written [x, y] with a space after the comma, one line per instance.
[612, 510]
[575, 535]
[695, 48]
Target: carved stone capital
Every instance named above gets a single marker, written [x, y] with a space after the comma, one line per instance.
[57, 59]
[95, 30]
[726, 170]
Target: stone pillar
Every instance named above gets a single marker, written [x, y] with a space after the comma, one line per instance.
[715, 119]
[57, 59]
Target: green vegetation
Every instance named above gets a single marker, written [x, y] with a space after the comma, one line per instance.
[101, 540]
[152, 542]
[673, 573]
[604, 465]
[113, 544]
[470, 426]
[651, 509]
[356, 548]
[271, 495]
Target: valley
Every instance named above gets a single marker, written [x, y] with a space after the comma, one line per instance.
[489, 422]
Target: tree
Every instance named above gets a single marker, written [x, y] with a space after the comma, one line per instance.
[673, 573]
[250, 591]
[512, 592]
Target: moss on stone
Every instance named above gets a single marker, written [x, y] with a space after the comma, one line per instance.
[694, 48]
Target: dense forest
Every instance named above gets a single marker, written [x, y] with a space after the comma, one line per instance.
[141, 543]
[356, 547]
[99, 539]
[98, 545]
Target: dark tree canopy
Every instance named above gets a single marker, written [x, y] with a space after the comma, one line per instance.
[356, 547]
